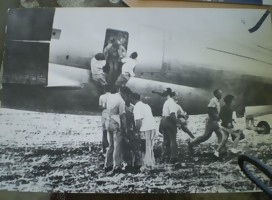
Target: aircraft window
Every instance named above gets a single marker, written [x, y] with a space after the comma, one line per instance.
[152, 73]
[142, 73]
[67, 57]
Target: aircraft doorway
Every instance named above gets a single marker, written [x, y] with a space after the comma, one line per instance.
[114, 49]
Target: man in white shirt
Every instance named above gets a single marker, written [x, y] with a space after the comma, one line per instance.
[168, 127]
[116, 119]
[146, 125]
[128, 69]
[97, 64]
[211, 122]
[102, 107]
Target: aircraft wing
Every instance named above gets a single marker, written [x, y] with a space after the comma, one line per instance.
[65, 76]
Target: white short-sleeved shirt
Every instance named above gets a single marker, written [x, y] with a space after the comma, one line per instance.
[214, 103]
[169, 107]
[143, 112]
[128, 66]
[97, 66]
[116, 106]
[103, 100]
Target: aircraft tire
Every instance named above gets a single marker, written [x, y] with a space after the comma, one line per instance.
[265, 126]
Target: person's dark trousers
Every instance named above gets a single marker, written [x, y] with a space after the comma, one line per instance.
[169, 130]
[105, 142]
[113, 74]
[186, 130]
[211, 126]
[132, 150]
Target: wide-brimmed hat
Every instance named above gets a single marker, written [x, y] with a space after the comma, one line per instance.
[169, 92]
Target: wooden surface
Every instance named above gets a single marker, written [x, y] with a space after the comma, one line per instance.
[189, 4]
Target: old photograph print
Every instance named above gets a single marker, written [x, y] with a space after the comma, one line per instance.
[102, 100]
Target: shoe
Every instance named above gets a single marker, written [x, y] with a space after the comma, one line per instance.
[117, 170]
[137, 169]
[128, 169]
[165, 160]
[190, 147]
[234, 151]
[216, 153]
[173, 161]
[108, 169]
[145, 168]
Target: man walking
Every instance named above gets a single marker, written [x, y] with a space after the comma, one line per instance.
[227, 126]
[145, 124]
[211, 122]
[168, 127]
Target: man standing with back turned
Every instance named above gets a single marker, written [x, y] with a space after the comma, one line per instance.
[168, 127]
[146, 125]
[103, 108]
[211, 122]
[115, 122]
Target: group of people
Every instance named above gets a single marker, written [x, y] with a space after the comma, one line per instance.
[216, 114]
[129, 128]
[113, 67]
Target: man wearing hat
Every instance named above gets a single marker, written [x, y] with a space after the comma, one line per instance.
[168, 127]
[227, 126]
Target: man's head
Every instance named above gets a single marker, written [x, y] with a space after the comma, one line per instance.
[168, 92]
[125, 93]
[135, 98]
[99, 56]
[107, 88]
[217, 93]
[228, 99]
[115, 45]
[134, 55]
[176, 99]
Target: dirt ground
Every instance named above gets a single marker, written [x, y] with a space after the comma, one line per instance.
[45, 152]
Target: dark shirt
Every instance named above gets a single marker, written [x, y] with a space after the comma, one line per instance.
[226, 116]
[213, 114]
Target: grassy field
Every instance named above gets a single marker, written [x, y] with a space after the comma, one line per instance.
[52, 152]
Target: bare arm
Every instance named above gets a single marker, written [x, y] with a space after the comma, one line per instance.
[101, 108]
[138, 125]
[123, 122]
[173, 117]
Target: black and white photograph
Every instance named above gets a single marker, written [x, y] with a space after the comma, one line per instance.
[150, 100]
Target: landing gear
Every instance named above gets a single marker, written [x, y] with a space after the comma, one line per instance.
[263, 128]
